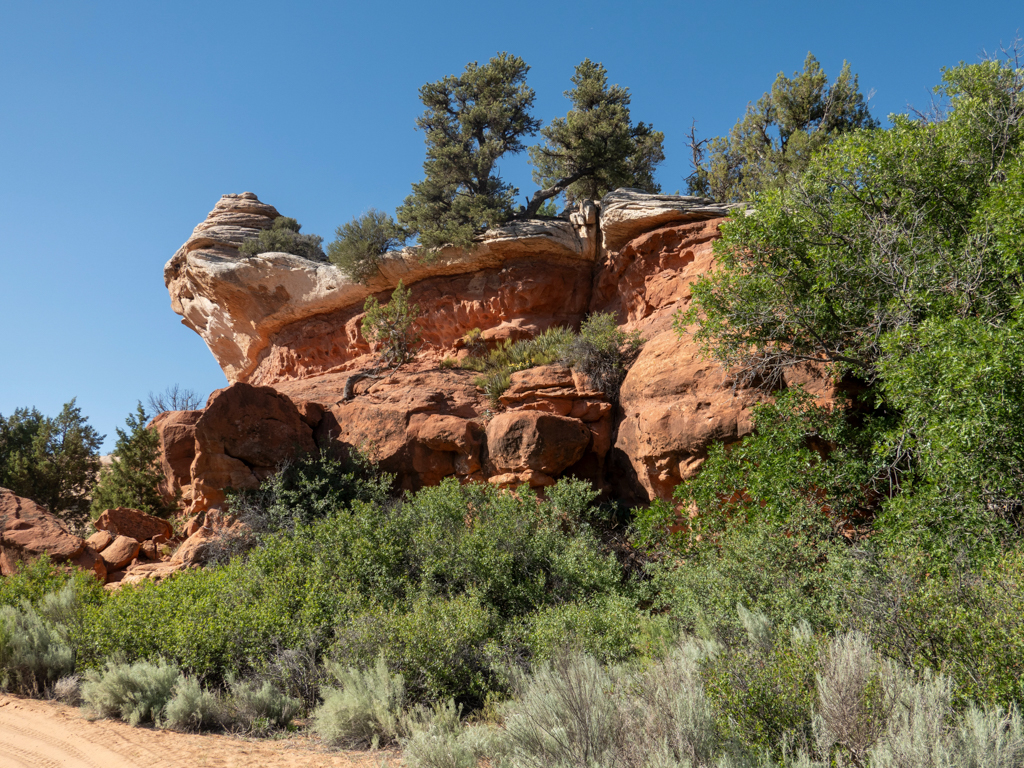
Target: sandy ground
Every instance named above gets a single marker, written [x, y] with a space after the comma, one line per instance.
[50, 735]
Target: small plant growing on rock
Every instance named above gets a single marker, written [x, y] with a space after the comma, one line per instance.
[448, 364]
[602, 352]
[363, 242]
[283, 237]
[392, 327]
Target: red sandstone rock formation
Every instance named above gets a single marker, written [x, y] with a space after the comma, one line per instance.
[283, 321]
[27, 531]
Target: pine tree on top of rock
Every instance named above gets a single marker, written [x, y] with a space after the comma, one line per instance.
[133, 479]
[471, 121]
[775, 139]
[595, 148]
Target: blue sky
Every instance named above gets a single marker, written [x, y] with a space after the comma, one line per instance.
[121, 124]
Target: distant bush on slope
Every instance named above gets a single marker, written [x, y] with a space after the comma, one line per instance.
[283, 237]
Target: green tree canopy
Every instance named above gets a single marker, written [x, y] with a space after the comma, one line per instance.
[595, 148]
[895, 259]
[471, 121]
[362, 242]
[776, 138]
[52, 461]
[133, 479]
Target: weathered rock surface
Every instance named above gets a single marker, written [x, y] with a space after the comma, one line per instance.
[28, 530]
[281, 321]
[532, 440]
[177, 430]
[120, 552]
[122, 521]
[237, 303]
[242, 438]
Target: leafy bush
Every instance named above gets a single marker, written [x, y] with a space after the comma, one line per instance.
[363, 709]
[604, 627]
[965, 622]
[362, 242]
[283, 237]
[34, 652]
[308, 489]
[391, 328]
[763, 690]
[440, 646]
[33, 580]
[136, 692]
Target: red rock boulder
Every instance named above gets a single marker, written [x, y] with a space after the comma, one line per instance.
[120, 552]
[534, 440]
[27, 531]
[133, 523]
[242, 438]
[177, 430]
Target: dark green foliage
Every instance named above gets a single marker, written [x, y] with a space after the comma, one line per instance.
[966, 622]
[362, 242]
[435, 582]
[471, 121]
[896, 260]
[309, 489]
[133, 479]
[52, 461]
[775, 140]
[392, 328]
[602, 352]
[763, 687]
[595, 148]
[283, 237]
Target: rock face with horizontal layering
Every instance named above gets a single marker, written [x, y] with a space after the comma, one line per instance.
[246, 308]
[280, 321]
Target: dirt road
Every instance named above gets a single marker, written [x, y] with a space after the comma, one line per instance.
[43, 734]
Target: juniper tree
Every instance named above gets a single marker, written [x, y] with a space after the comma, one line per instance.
[52, 461]
[471, 121]
[133, 479]
[362, 242]
[284, 236]
[775, 139]
[595, 148]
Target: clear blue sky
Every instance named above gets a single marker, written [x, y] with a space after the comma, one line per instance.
[122, 123]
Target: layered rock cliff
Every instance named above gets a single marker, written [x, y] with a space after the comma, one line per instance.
[287, 333]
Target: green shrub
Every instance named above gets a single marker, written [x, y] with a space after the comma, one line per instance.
[392, 327]
[763, 690]
[34, 579]
[191, 707]
[34, 651]
[283, 237]
[136, 692]
[362, 243]
[964, 621]
[602, 352]
[604, 627]
[257, 708]
[448, 364]
[309, 489]
[363, 709]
